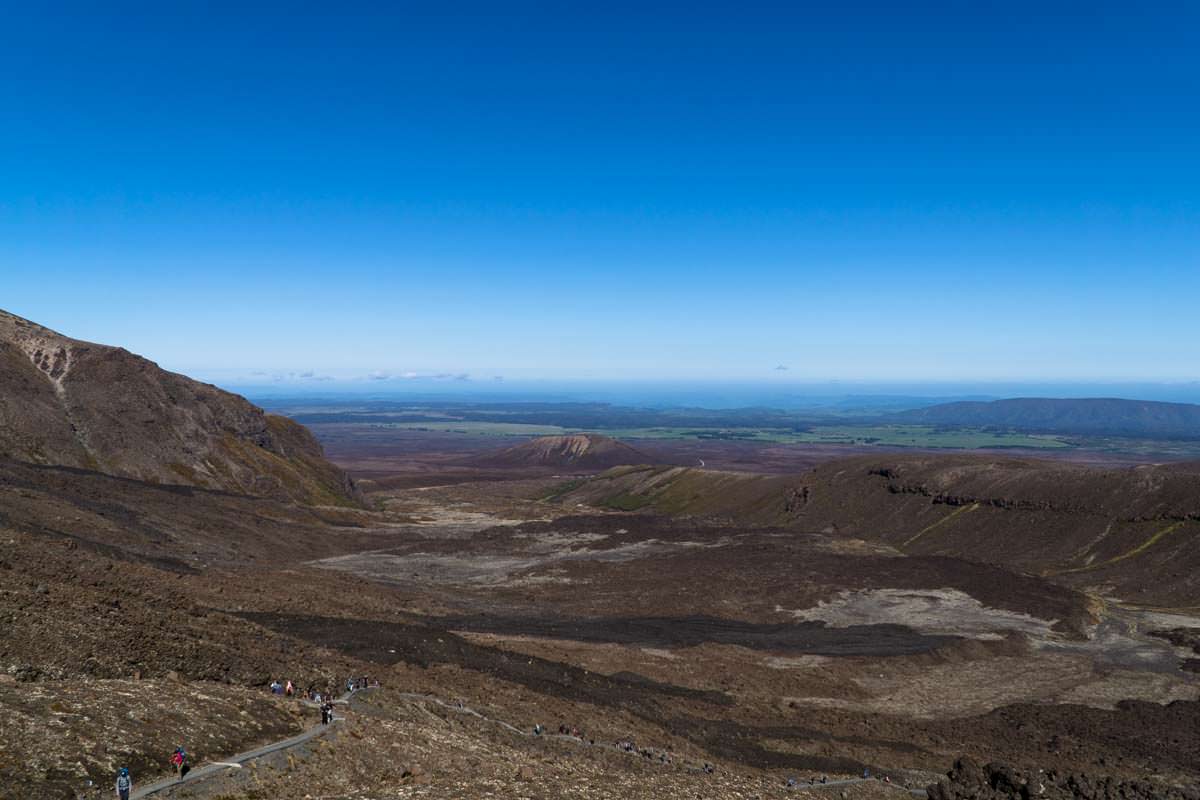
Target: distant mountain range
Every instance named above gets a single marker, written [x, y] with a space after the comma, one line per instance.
[1091, 416]
[70, 403]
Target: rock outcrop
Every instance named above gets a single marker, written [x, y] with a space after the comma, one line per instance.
[969, 780]
[583, 451]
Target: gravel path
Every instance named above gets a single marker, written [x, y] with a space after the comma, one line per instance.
[235, 762]
[205, 771]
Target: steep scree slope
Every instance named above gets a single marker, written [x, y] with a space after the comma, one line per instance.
[71, 403]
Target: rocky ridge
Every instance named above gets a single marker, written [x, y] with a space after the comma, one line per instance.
[71, 403]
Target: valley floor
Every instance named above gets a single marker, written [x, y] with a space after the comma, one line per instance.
[486, 607]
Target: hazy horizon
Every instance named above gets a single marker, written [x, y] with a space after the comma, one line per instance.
[827, 395]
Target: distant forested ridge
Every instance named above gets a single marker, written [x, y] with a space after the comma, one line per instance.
[1090, 416]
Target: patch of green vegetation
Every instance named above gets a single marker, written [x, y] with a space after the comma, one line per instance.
[724, 434]
[925, 436]
[563, 488]
[478, 428]
[948, 518]
[733, 426]
[1141, 548]
[626, 502]
[620, 472]
[185, 472]
[881, 435]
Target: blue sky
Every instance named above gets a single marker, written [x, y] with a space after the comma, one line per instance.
[948, 192]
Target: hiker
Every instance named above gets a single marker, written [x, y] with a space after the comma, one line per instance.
[289, 690]
[324, 714]
[178, 760]
[124, 784]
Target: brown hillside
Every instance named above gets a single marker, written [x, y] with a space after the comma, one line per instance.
[584, 451]
[1132, 532]
[71, 403]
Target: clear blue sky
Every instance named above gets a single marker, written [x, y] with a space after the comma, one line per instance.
[950, 191]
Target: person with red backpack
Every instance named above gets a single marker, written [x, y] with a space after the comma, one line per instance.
[179, 761]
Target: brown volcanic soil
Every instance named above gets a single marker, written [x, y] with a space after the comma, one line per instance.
[1128, 532]
[178, 527]
[622, 559]
[77, 404]
[617, 593]
[969, 780]
[126, 723]
[68, 612]
[381, 458]
[684, 634]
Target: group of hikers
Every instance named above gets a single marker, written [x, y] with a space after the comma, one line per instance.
[179, 762]
[179, 758]
[323, 699]
[626, 746]
[287, 689]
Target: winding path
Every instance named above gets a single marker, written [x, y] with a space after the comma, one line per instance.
[214, 768]
[205, 771]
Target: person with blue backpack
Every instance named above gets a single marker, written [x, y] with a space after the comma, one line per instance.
[124, 784]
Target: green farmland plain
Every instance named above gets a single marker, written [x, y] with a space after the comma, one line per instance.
[921, 436]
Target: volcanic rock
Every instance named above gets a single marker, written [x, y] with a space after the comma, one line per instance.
[71, 403]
